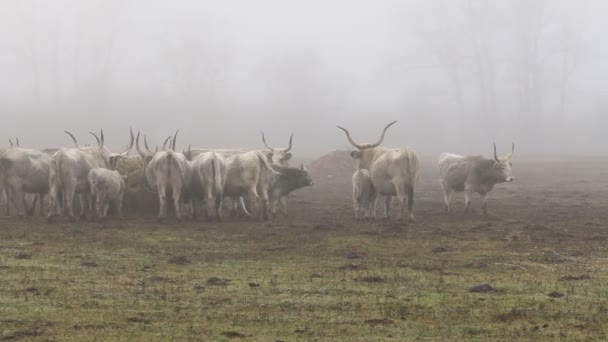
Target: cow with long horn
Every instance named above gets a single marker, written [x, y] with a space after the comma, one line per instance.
[393, 172]
[166, 172]
[470, 174]
[69, 171]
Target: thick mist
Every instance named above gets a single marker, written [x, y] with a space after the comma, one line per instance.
[458, 75]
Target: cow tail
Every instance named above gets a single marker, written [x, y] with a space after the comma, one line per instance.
[242, 203]
[172, 160]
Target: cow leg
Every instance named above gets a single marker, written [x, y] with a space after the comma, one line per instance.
[106, 207]
[447, 192]
[219, 200]
[176, 194]
[68, 201]
[484, 199]
[410, 202]
[41, 210]
[118, 204]
[467, 200]
[283, 203]
[52, 211]
[162, 203]
[387, 207]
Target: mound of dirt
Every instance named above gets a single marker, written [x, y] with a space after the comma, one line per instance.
[335, 164]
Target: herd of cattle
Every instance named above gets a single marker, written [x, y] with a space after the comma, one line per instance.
[198, 180]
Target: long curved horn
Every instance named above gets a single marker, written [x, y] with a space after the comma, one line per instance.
[130, 146]
[174, 139]
[166, 141]
[495, 153]
[103, 140]
[382, 136]
[137, 147]
[265, 144]
[512, 150]
[189, 153]
[349, 138]
[290, 141]
[73, 138]
[146, 144]
[96, 138]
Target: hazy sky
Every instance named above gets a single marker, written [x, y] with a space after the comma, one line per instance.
[456, 74]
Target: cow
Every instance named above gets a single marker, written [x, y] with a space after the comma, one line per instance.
[364, 194]
[24, 171]
[288, 180]
[470, 174]
[248, 176]
[69, 174]
[208, 181]
[394, 172]
[165, 171]
[107, 186]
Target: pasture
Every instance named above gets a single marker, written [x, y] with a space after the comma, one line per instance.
[536, 269]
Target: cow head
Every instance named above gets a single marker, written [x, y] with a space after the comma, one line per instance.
[278, 156]
[364, 153]
[503, 165]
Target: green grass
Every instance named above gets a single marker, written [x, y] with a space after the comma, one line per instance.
[350, 281]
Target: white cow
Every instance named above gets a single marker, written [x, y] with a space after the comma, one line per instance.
[248, 176]
[107, 186]
[208, 180]
[166, 172]
[69, 174]
[364, 194]
[394, 172]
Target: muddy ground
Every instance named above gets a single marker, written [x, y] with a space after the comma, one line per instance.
[536, 269]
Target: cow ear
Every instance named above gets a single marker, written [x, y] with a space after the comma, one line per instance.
[355, 154]
[269, 156]
[287, 157]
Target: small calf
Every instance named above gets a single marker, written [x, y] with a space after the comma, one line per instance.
[364, 194]
[288, 180]
[107, 185]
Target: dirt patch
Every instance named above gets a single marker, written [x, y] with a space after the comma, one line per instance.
[89, 264]
[233, 334]
[323, 227]
[138, 319]
[371, 279]
[179, 260]
[511, 315]
[482, 288]
[355, 255]
[381, 321]
[578, 277]
[352, 267]
[443, 249]
[21, 334]
[215, 281]
[23, 256]
[555, 294]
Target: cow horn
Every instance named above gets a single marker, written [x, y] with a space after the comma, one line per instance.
[96, 138]
[137, 147]
[495, 153]
[165, 143]
[17, 141]
[130, 146]
[290, 141]
[265, 144]
[512, 150]
[10, 142]
[146, 144]
[350, 139]
[189, 154]
[382, 136]
[73, 138]
[174, 139]
[103, 140]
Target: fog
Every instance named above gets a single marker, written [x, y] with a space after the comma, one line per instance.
[456, 74]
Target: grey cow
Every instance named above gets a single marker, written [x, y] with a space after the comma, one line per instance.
[473, 174]
[288, 180]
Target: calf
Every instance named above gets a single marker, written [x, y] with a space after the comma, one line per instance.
[288, 180]
[364, 194]
[107, 186]
[473, 174]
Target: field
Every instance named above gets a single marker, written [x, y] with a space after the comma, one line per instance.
[536, 269]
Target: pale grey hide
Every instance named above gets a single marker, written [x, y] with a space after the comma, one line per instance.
[208, 180]
[473, 174]
[107, 186]
[248, 176]
[364, 194]
[394, 172]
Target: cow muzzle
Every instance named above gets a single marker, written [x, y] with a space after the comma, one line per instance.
[509, 179]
